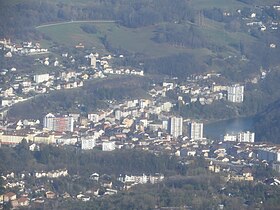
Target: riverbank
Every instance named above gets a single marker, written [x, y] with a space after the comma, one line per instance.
[217, 129]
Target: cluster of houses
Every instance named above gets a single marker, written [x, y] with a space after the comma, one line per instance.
[130, 181]
[25, 194]
[20, 192]
[25, 48]
[202, 89]
[144, 124]
[255, 19]
[22, 87]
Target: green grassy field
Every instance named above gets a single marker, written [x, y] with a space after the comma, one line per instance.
[139, 40]
[132, 40]
[70, 34]
[216, 34]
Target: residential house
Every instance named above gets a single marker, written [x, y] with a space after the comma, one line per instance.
[10, 196]
[50, 195]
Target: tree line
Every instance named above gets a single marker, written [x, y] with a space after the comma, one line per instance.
[21, 18]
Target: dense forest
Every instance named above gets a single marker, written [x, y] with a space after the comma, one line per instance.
[267, 123]
[77, 161]
[200, 192]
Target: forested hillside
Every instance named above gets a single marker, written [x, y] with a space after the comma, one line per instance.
[216, 31]
[267, 123]
[22, 16]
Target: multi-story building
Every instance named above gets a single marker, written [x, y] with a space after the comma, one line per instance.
[93, 61]
[58, 123]
[230, 137]
[118, 114]
[108, 146]
[246, 137]
[38, 78]
[176, 126]
[87, 143]
[196, 131]
[235, 93]
[241, 137]
[13, 138]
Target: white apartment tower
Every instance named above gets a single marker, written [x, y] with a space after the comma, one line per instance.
[176, 126]
[92, 61]
[196, 131]
[235, 93]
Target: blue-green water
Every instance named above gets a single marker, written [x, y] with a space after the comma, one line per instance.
[218, 129]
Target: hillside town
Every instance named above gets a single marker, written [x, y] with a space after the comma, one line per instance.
[140, 123]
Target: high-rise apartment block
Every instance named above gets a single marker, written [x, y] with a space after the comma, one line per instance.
[58, 123]
[196, 131]
[176, 126]
[235, 93]
[92, 61]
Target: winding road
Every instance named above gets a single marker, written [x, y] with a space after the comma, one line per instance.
[77, 21]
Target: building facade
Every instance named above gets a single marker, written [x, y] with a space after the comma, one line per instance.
[246, 137]
[38, 78]
[235, 93]
[87, 143]
[108, 146]
[196, 131]
[241, 137]
[176, 126]
[92, 61]
[58, 123]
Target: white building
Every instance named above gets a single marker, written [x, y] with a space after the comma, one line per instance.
[87, 143]
[241, 137]
[230, 137]
[143, 103]
[165, 124]
[246, 137]
[196, 131]
[235, 93]
[118, 114]
[67, 140]
[176, 126]
[108, 146]
[166, 107]
[94, 117]
[38, 78]
[92, 61]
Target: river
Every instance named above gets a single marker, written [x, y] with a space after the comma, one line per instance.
[216, 130]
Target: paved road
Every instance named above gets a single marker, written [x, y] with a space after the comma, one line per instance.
[76, 21]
